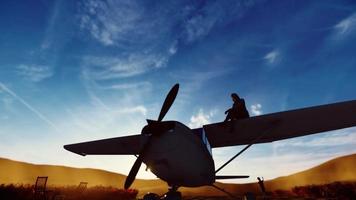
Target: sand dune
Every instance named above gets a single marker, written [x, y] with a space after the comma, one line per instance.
[15, 172]
[339, 169]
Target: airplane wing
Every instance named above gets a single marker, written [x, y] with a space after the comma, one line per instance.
[282, 125]
[127, 145]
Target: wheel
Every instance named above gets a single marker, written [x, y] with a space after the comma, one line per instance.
[172, 195]
[249, 196]
[151, 196]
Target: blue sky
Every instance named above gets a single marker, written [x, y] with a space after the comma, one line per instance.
[85, 70]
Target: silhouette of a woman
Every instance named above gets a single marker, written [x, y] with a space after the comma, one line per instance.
[238, 109]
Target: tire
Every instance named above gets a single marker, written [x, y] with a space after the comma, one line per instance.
[151, 196]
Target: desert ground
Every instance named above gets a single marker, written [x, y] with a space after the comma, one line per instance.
[330, 178]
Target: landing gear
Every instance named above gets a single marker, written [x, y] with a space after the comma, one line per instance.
[172, 194]
[151, 196]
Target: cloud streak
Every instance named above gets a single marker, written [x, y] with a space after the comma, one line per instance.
[346, 25]
[272, 57]
[346, 137]
[104, 68]
[112, 22]
[147, 39]
[127, 86]
[35, 111]
[35, 73]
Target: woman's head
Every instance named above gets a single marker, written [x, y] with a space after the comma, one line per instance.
[235, 97]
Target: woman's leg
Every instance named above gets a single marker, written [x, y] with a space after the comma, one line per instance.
[228, 117]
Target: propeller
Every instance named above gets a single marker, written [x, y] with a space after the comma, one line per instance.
[171, 96]
[153, 128]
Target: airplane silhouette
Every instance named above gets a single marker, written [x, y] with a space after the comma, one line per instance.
[182, 157]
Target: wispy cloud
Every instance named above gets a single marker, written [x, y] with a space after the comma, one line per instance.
[103, 68]
[7, 102]
[285, 157]
[199, 26]
[272, 57]
[197, 79]
[202, 20]
[140, 38]
[50, 30]
[137, 109]
[108, 120]
[111, 22]
[35, 111]
[152, 37]
[336, 138]
[35, 73]
[114, 23]
[256, 109]
[127, 86]
[201, 118]
[173, 49]
[286, 164]
[108, 114]
[346, 25]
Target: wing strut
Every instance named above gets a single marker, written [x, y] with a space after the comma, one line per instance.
[248, 146]
[231, 177]
[231, 159]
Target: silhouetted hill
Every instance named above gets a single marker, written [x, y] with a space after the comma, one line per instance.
[15, 172]
[339, 169]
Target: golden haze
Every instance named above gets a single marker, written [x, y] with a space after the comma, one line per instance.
[15, 172]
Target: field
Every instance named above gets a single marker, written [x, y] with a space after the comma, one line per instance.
[335, 179]
[336, 190]
[24, 192]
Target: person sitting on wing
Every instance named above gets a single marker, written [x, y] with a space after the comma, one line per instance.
[238, 109]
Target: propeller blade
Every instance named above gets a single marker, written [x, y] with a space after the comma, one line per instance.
[168, 101]
[153, 127]
[133, 172]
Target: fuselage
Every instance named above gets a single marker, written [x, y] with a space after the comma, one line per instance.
[181, 157]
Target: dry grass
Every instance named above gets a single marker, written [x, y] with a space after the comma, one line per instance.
[14, 172]
[336, 190]
[25, 192]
